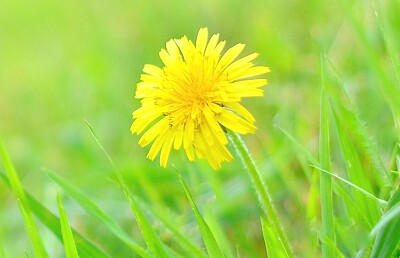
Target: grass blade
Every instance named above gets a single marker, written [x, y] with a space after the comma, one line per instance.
[355, 171]
[366, 193]
[299, 147]
[85, 247]
[182, 240]
[16, 186]
[93, 209]
[213, 249]
[261, 190]
[68, 238]
[387, 229]
[328, 229]
[272, 244]
[153, 242]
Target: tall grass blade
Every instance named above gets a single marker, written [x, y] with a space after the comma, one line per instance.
[85, 247]
[68, 238]
[189, 247]
[93, 209]
[349, 113]
[271, 240]
[261, 190]
[328, 229]
[366, 193]
[387, 229]
[16, 186]
[355, 172]
[213, 248]
[153, 242]
[299, 147]
[216, 228]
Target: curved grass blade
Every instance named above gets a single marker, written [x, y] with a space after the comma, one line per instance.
[273, 246]
[85, 247]
[68, 238]
[93, 209]
[18, 190]
[261, 190]
[366, 193]
[213, 249]
[298, 146]
[153, 242]
[387, 229]
[182, 240]
[349, 113]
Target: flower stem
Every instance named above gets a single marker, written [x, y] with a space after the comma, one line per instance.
[261, 190]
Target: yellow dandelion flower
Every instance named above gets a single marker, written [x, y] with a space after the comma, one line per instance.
[190, 100]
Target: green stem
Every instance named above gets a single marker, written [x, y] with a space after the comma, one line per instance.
[261, 190]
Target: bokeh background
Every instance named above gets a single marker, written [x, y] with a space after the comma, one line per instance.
[64, 62]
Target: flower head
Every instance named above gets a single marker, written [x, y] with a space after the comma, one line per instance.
[191, 100]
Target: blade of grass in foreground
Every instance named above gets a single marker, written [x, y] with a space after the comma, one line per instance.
[92, 208]
[211, 244]
[349, 113]
[271, 239]
[182, 240]
[387, 229]
[328, 229]
[153, 242]
[355, 171]
[261, 190]
[51, 221]
[68, 238]
[363, 191]
[16, 186]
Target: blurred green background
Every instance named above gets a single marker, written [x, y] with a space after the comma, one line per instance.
[62, 62]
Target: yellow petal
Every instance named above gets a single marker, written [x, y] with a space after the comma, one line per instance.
[235, 123]
[230, 55]
[201, 41]
[159, 128]
[166, 148]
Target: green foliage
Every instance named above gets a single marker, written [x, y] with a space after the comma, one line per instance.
[68, 238]
[210, 242]
[16, 186]
[326, 153]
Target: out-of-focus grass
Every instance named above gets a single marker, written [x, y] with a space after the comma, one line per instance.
[63, 62]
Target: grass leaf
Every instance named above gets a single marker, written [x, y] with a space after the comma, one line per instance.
[366, 193]
[85, 247]
[273, 246]
[182, 240]
[68, 238]
[387, 229]
[93, 209]
[153, 242]
[17, 188]
[261, 190]
[213, 248]
[328, 228]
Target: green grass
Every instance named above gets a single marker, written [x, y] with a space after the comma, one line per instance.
[325, 156]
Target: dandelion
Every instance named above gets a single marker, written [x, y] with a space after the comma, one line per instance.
[190, 101]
